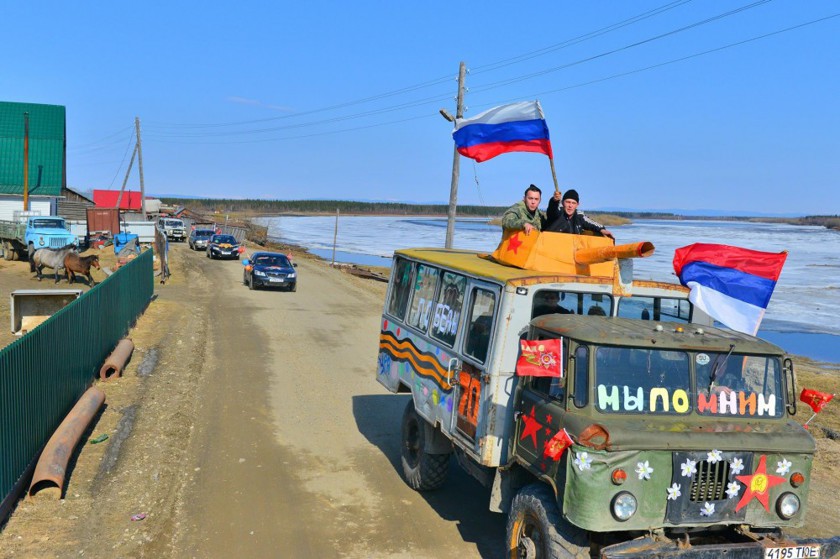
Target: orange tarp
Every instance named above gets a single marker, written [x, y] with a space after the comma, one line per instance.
[552, 252]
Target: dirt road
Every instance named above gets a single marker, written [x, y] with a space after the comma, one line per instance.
[249, 424]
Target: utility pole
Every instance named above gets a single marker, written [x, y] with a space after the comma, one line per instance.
[138, 152]
[140, 168]
[26, 162]
[456, 161]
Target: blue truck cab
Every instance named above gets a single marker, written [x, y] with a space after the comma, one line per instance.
[20, 238]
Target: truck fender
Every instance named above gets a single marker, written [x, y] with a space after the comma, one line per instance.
[506, 484]
[436, 441]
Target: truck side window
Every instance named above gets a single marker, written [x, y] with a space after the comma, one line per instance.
[480, 325]
[581, 376]
[448, 307]
[400, 289]
[423, 296]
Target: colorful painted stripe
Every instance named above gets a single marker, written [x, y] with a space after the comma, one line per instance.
[424, 364]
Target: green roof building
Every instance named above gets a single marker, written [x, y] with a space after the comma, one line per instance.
[47, 149]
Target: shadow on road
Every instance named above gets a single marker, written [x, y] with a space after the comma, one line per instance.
[462, 499]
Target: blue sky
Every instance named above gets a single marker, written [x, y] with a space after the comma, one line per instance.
[340, 100]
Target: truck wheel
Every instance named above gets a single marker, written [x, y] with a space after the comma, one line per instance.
[422, 471]
[535, 529]
[9, 252]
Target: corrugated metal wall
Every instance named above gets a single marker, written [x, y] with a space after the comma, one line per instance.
[47, 147]
[44, 373]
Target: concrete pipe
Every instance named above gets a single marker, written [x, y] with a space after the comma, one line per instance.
[52, 464]
[115, 363]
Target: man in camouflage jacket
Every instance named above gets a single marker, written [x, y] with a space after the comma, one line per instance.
[525, 215]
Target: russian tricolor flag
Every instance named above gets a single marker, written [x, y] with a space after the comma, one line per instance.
[732, 285]
[514, 127]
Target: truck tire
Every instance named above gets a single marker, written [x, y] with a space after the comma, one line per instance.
[535, 529]
[9, 252]
[422, 471]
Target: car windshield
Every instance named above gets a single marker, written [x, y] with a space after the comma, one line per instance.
[639, 380]
[738, 385]
[202, 234]
[271, 260]
[224, 239]
[48, 223]
[174, 223]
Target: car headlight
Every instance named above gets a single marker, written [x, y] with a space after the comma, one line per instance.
[624, 506]
[291, 276]
[787, 506]
[258, 273]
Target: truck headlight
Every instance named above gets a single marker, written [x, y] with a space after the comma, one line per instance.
[787, 506]
[624, 506]
[41, 241]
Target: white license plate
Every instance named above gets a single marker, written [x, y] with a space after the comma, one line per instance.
[276, 280]
[792, 552]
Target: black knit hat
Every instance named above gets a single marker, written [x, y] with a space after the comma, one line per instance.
[571, 194]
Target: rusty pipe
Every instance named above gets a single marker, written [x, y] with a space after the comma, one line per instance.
[115, 363]
[595, 255]
[52, 464]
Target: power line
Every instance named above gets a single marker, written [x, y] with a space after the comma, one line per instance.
[443, 79]
[553, 91]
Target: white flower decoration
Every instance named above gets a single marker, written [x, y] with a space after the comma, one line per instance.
[783, 467]
[644, 470]
[583, 461]
[708, 509]
[674, 492]
[714, 456]
[689, 467]
[732, 489]
[736, 466]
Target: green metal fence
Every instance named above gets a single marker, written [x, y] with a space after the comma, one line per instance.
[44, 373]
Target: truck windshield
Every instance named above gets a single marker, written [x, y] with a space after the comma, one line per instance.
[173, 223]
[743, 385]
[637, 380]
[48, 223]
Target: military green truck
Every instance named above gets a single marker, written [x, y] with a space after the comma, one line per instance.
[653, 433]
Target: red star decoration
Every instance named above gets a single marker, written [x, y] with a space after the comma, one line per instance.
[758, 485]
[548, 418]
[531, 427]
[514, 243]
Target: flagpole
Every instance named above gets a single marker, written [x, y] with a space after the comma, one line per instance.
[554, 175]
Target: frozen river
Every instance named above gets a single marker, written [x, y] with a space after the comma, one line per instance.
[803, 316]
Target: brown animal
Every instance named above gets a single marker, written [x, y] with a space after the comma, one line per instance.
[75, 264]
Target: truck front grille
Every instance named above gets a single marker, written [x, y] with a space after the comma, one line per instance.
[709, 483]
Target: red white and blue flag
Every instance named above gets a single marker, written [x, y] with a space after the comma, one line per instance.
[732, 285]
[515, 127]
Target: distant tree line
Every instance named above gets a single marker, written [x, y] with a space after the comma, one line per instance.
[272, 207]
[350, 207]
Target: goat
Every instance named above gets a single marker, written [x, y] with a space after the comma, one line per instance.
[75, 264]
[49, 258]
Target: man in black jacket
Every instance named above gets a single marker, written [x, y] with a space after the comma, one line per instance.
[568, 219]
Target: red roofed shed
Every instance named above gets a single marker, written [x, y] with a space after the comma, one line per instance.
[131, 199]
